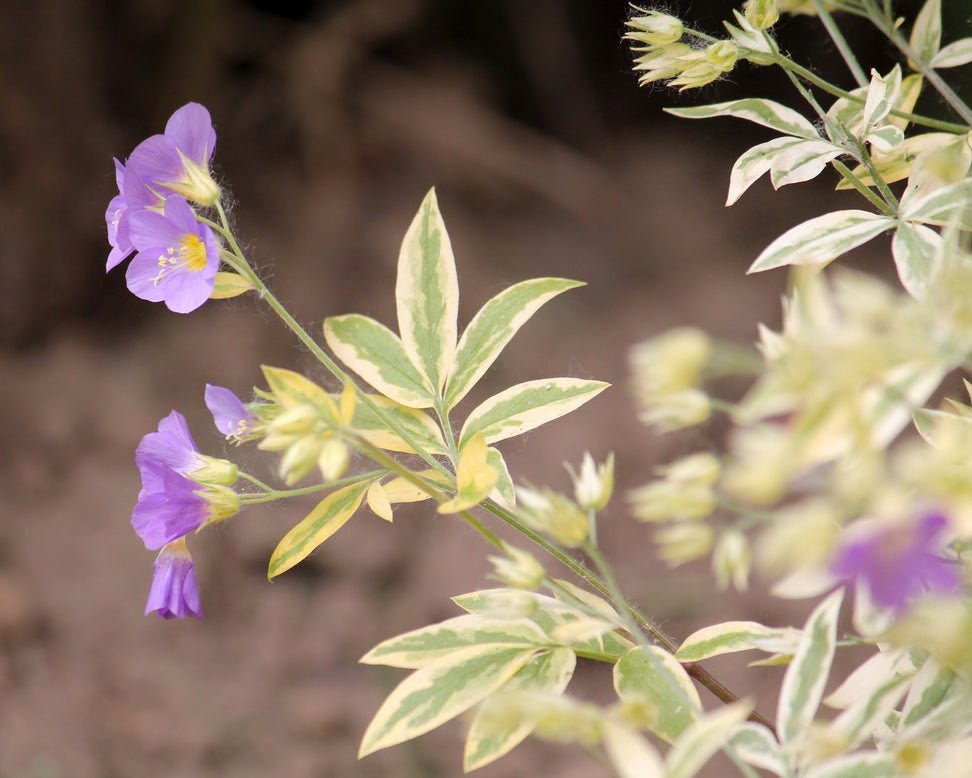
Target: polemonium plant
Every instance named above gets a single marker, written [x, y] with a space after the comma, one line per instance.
[840, 473]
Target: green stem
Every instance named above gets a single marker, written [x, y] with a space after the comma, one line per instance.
[270, 494]
[838, 38]
[861, 187]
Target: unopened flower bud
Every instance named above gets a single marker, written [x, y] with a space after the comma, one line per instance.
[333, 459]
[731, 561]
[299, 459]
[518, 569]
[298, 420]
[684, 542]
[762, 14]
[655, 29]
[594, 484]
[554, 515]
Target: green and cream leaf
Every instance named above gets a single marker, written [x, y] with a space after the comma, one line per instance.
[806, 676]
[436, 693]
[376, 354]
[328, 516]
[822, 239]
[765, 112]
[494, 326]
[655, 677]
[492, 733]
[427, 295]
[432, 644]
[526, 406]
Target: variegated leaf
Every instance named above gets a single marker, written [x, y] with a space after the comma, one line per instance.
[915, 248]
[860, 721]
[755, 745]
[806, 676]
[754, 163]
[926, 35]
[930, 686]
[491, 735]
[941, 206]
[229, 285]
[655, 676]
[863, 764]
[427, 295]
[702, 738]
[433, 694]
[429, 645]
[525, 406]
[494, 326]
[803, 161]
[376, 354]
[292, 389]
[954, 54]
[414, 422]
[504, 489]
[328, 517]
[822, 239]
[726, 638]
[765, 112]
[631, 753]
[378, 501]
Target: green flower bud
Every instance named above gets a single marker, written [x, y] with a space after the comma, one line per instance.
[762, 14]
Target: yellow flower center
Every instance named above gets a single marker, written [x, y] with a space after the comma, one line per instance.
[193, 253]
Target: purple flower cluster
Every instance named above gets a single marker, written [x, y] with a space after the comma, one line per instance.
[896, 563]
[177, 256]
[181, 491]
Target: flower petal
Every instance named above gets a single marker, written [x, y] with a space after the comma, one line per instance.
[191, 131]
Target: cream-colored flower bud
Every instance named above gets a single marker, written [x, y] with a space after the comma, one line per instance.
[519, 569]
[298, 420]
[684, 542]
[594, 484]
[655, 29]
[762, 14]
[700, 469]
[731, 560]
[667, 501]
[298, 460]
[677, 411]
[554, 515]
[671, 362]
[333, 459]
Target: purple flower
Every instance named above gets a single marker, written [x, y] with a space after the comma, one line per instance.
[168, 505]
[181, 488]
[116, 219]
[177, 256]
[170, 512]
[174, 593]
[178, 160]
[231, 416]
[898, 562]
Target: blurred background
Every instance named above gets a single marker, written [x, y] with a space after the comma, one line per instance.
[334, 118]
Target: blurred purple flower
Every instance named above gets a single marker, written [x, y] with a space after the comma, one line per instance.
[897, 563]
[231, 416]
[174, 592]
[178, 160]
[177, 256]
